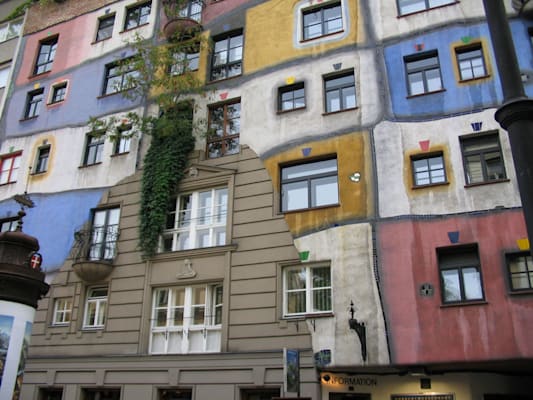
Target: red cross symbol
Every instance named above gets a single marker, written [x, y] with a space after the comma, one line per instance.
[36, 260]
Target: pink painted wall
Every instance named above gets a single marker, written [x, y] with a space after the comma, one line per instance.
[421, 329]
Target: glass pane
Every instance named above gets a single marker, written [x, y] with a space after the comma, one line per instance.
[494, 165]
[416, 83]
[161, 318]
[177, 316]
[178, 297]
[452, 289]
[321, 277]
[474, 170]
[348, 97]
[472, 284]
[436, 3]
[203, 239]
[205, 207]
[184, 216]
[433, 80]
[324, 191]
[521, 281]
[322, 300]
[315, 168]
[295, 196]
[410, 6]
[296, 279]
[296, 302]
[162, 298]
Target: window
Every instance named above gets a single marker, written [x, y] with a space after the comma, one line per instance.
[62, 311]
[259, 394]
[192, 10]
[123, 141]
[482, 158]
[8, 224]
[471, 62]
[460, 274]
[101, 394]
[184, 62]
[119, 76]
[4, 74]
[412, 6]
[9, 167]
[423, 73]
[196, 220]
[227, 56]
[340, 92]
[59, 92]
[137, 16]
[105, 27]
[306, 290]
[187, 319]
[422, 397]
[291, 97]
[33, 103]
[50, 394]
[45, 58]
[309, 185]
[41, 161]
[104, 234]
[224, 129]
[520, 267]
[94, 149]
[174, 394]
[95, 307]
[323, 20]
[428, 170]
[10, 30]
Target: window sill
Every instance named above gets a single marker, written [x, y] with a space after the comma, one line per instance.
[89, 165]
[7, 183]
[36, 76]
[318, 38]
[339, 111]
[224, 79]
[195, 253]
[280, 112]
[28, 118]
[414, 96]
[523, 292]
[429, 185]
[56, 104]
[101, 40]
[311, 209]
[103, 96]
[135, 27]
[468, 185]
[302, 317]
[38, 173]
[120, 154]
[474, 80]
[428, 9]
[465, 304]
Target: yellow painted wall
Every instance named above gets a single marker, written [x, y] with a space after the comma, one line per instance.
[270, 34]
[355, 199]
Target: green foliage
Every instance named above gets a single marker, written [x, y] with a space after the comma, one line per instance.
[18, 11]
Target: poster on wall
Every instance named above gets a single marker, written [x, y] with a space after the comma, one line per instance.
[22, 363]
[6, 325]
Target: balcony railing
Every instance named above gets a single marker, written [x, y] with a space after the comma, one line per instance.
[96, 244]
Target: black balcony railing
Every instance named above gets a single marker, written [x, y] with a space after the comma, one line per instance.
[96, 244]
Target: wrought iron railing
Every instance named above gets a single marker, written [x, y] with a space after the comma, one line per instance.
[99, 243]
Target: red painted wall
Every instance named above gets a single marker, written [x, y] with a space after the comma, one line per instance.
[421, 329]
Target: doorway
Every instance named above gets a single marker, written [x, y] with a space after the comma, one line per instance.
[349, 396]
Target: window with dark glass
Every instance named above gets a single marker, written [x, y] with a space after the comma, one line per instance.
[428, 170]
[471, 62]
[309, 185]
[105, 27]
[137, 15]
[322, 20]
[174, 394]
[520, 269]
[184, 62]
[423, 73]
[412, 6]
[227, 56]
[33, 103]
[224, 129]
[8, 224]
[482, 158]
[460, 274]
[46, 55]
[50, 394]
[9, 167]
[260, 393]
[41, 161]
[123, 141]
[192, 10]
[94, 149]
[101, 394]
[291, 97]
[120, 76]
[59, 92]
[340, 92]
[104, 234]
[306, 290]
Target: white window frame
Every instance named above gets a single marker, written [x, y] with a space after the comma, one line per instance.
[7, 32]
[306, 5]
[309, 290]
[9, 167]
[184, 337]
[62, 311]
[104, 233]
[100, 304]
[422, 5]
[192, 224]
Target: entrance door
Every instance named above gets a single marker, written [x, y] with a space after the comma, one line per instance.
[349, 396]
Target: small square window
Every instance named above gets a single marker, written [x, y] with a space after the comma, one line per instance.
[227, 56]
[120, 76]
[95, 307]
[137, 15]
[428, 170]
[123, 141]
[62, 311]
[224, 129]
[105, 27]
[460, 274]
[322, 20]
[291, 97]
[59, 93]
[471, 62]
[520, 269]
[50, 394]
[41, 161]
[306, 290]
[482, 158]
[412, 6]
[46, 55]
[340, 92]
[9, 167]
[192, 9]
[34, 100]
[94, 149]
[309, 185]
[184, 62]
[423, 73]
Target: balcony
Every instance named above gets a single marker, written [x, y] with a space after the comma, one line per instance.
[183, 22]
[94, 252]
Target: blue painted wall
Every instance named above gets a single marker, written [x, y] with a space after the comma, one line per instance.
[456, 98]
[53, 221]
[85, 86]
